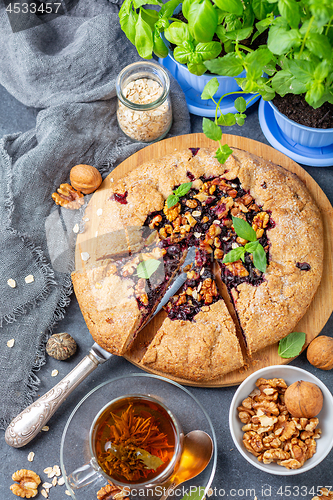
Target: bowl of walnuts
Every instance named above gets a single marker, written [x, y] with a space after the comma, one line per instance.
[280, 420]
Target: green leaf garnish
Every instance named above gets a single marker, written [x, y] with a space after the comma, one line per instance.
[291, 345]
[243, 229]
[233, 255]
[181, 190]
[172, 200]
[259, 258]
[223, 153]
[147, 267]
[211, 129]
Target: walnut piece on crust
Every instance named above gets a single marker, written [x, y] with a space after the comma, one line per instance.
[202, 350]
[26, 484]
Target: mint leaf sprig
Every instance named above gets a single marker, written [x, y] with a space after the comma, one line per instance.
[245, 231]
[212, 129]
[291, 345]
[181, 190]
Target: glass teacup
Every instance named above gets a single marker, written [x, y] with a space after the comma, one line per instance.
[134, 442]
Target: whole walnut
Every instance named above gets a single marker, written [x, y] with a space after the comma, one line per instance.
[85, 178]
[320, 352]
[303, 399]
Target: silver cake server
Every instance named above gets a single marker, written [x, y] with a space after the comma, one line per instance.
[30, 421]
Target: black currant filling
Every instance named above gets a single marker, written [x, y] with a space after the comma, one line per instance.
[203, 218]
[199, 290]
[120, 198]
[303, 266]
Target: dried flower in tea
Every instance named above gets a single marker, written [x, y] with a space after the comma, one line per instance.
[135, 442]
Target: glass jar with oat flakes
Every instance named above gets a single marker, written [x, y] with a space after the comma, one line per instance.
[144, 110]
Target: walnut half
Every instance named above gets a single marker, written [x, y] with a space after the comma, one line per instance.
[26, 485]
[67, 197]
[111, 492]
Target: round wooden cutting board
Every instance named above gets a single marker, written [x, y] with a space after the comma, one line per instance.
[320, 308]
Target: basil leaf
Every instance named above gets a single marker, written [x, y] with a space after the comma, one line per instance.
[259, 258]
[319, 45]
[234, 255]
[147, 267]
[322, 70]
[284, 83]
[168, 8]
[280, 39]
[196, 68]
[223, 153]
[240, 34]
[232, 6]
[177, 33]
[202, 21]
[183, 52]
[243, 229]
[261, 9]
[252, 246]
[183, 189]
[139, 3]
[229, 65]
[289, 10]
[255, 61]
[302, 70]
[210, 88]
[211, 130]
[172, 200]
[315, 93]
[227, 120]
[159, 48]
[291, 345]
[143, 38]
[240, 119]
[208, 50]
[240, 104]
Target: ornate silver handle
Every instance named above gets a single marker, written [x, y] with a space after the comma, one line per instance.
[31, 420]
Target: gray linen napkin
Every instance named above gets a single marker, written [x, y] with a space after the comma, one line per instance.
[67, 66]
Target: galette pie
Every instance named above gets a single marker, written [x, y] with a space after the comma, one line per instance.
[144, 235]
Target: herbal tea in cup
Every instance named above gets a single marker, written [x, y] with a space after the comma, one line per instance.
[134, 441]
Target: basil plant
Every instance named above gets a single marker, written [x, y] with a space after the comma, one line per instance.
[207, 29]
[297, 58]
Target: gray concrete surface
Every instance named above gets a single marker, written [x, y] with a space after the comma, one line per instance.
[234, 478]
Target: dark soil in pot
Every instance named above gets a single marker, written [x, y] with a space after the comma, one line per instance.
[297, 109]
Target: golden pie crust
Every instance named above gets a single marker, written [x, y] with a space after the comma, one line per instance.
[208, 347]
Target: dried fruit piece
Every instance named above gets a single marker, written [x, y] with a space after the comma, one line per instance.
[61, 346]
[85, 178]
[67, 197]
[26, 484]
[303, 399]
[320, 352]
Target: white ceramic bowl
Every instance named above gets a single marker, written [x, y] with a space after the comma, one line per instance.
[290, 374]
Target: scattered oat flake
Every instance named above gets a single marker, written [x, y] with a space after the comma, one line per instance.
[11, 283]
[85, 256]
[54, 481]
[44, 493]
[47, 485]
[76, 228]
[86, 219]
[99, 212]
[31, 456]
[67, 493]
[210, 492]
[56, 470]
[54, 373]
[61, 481]
[45, 428]
[11, 343]
[29, 278]
[47, 470]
